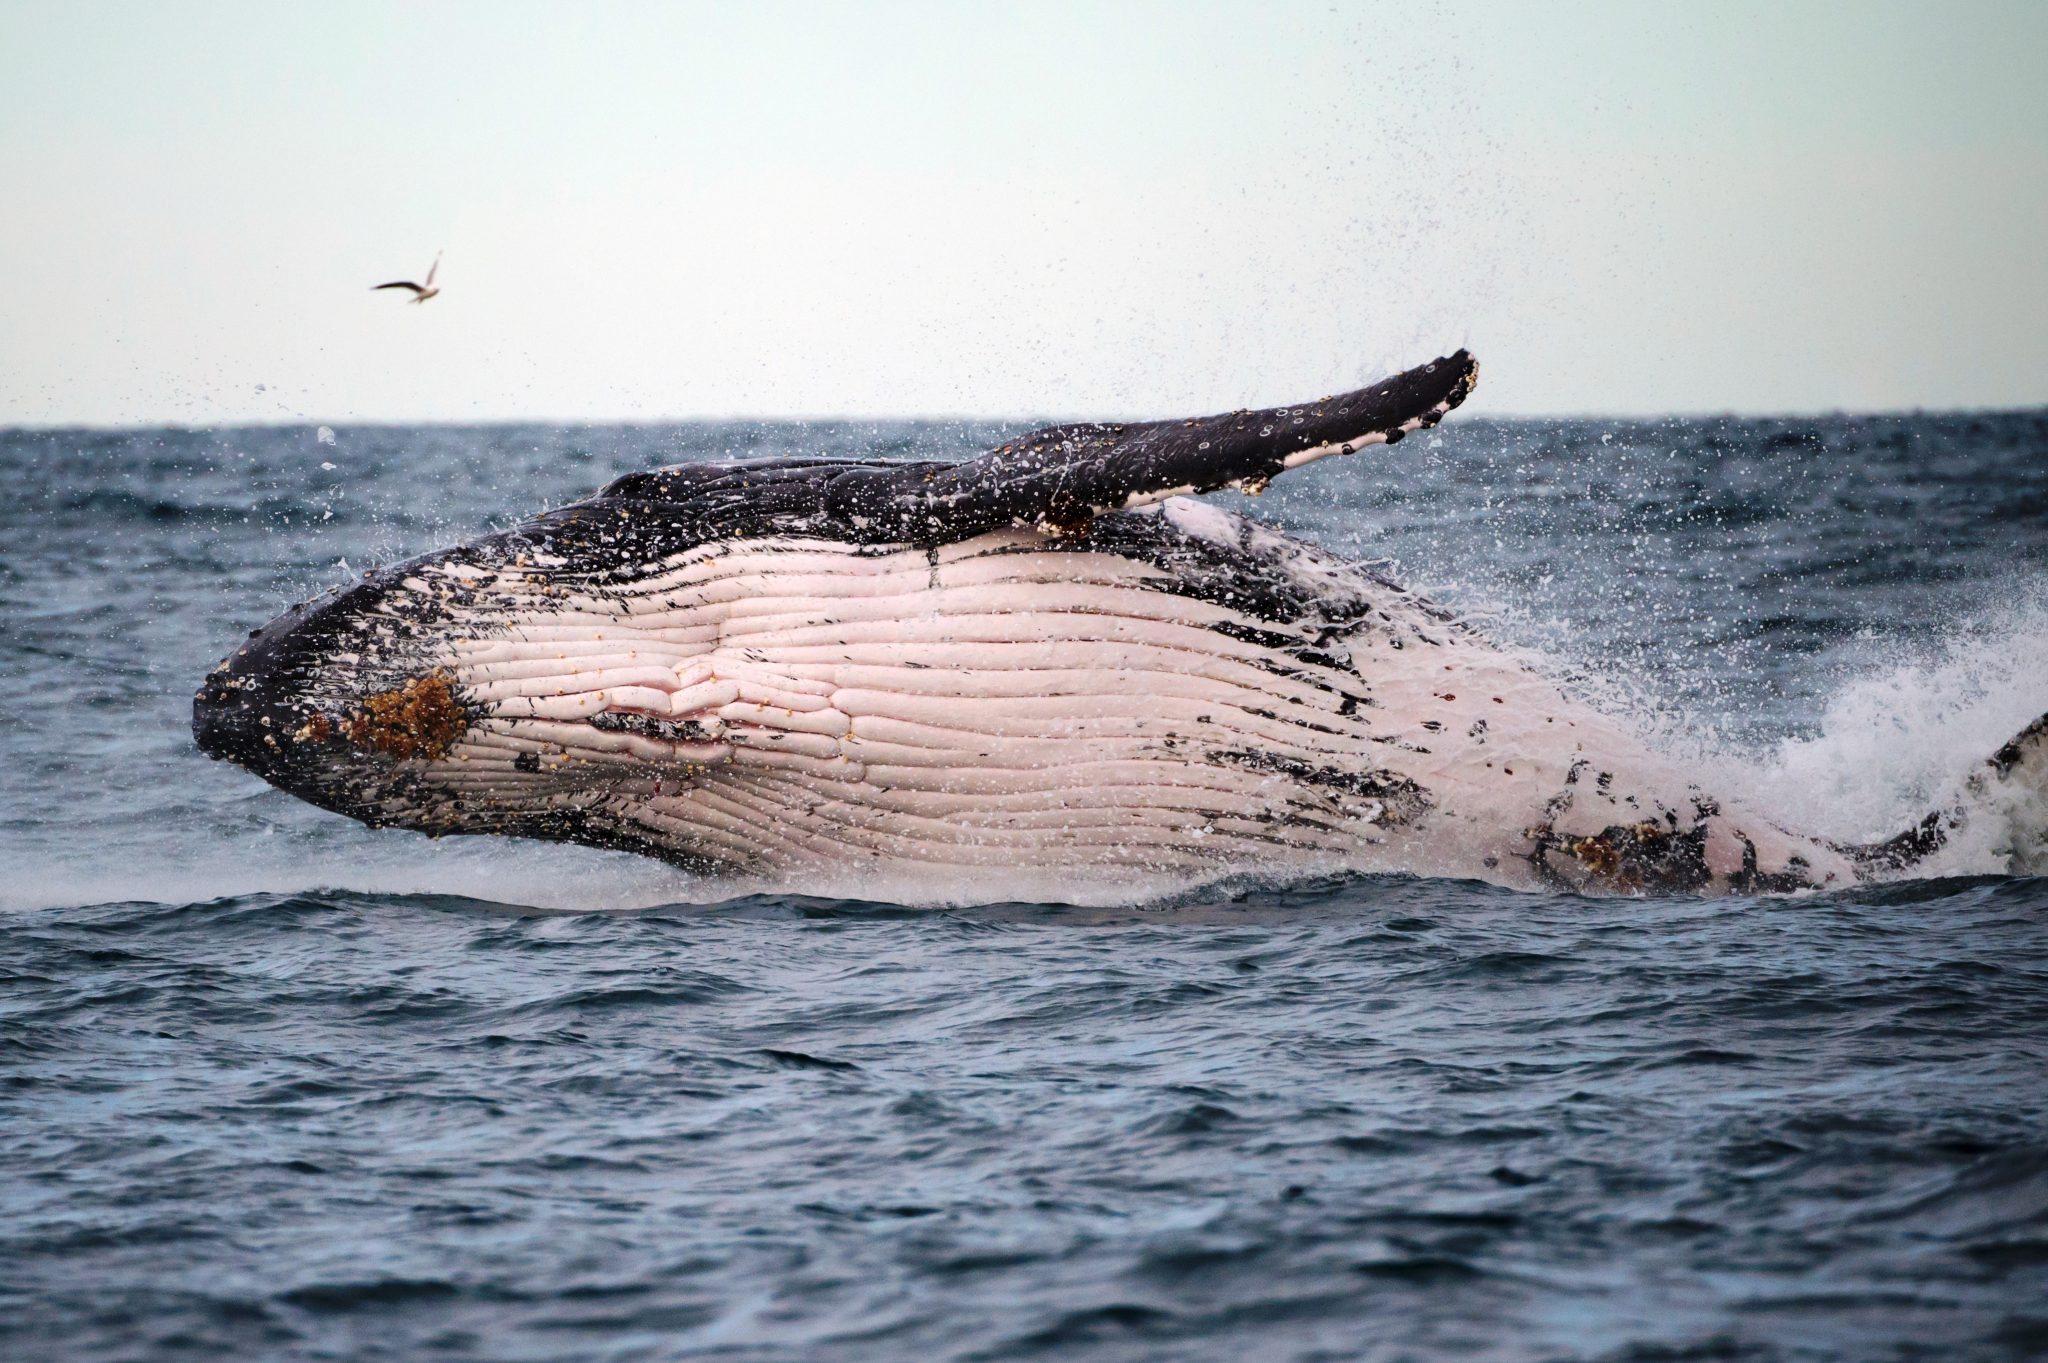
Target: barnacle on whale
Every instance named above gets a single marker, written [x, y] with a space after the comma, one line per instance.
[420, 719]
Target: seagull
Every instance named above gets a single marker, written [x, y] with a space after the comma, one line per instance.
[421, 292]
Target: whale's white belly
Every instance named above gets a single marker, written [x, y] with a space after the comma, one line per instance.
[791, 707]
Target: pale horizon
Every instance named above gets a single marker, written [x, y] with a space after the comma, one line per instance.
[658, 214]
[1465, 418]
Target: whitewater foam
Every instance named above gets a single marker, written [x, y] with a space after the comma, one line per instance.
[1901, 737]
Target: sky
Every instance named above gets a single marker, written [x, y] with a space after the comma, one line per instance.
[656, 211]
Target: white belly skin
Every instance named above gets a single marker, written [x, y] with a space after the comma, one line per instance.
[1015, 715]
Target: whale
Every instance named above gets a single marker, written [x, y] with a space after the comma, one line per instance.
[1047, 664]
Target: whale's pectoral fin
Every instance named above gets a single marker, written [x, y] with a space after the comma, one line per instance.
[1059, 477]
[2009, 792]
[1056, 479]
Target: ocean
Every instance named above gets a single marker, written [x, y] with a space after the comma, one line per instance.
[276, 1086]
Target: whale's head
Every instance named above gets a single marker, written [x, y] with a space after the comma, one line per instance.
[550, 680]
[349, 701]
[469, 691]
[511, 685]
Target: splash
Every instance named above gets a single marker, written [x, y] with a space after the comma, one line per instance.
[1905, 738]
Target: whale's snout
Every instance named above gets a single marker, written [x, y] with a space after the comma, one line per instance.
[249, 706]
[253, 709]
[230, 721]
[318, 704]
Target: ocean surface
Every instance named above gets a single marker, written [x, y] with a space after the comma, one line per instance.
[275, 1086]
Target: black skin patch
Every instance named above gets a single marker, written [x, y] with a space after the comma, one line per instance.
[1240, 579]
[601, 828]
[1638, 858]
[1904, 850]
[1267, 639]
[2012, 754]
[1749, 880]
[648, 726]
[1403, 799]
[1897, 853]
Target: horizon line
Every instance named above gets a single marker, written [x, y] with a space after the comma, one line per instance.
[393, 423]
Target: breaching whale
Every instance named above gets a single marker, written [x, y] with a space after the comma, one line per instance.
[1046, 661]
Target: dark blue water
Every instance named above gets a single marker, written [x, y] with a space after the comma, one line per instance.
[275, 1086]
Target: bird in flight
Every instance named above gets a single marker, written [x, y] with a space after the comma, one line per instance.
[421, 292]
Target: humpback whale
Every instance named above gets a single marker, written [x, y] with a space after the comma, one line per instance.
[1047, 660]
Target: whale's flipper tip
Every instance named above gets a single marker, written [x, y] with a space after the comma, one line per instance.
[2008, 793]
[1468, 377]
[1246, 449]
[2014, 787]
[1061, 476]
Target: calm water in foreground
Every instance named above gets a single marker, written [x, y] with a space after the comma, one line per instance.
[274, 1086]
